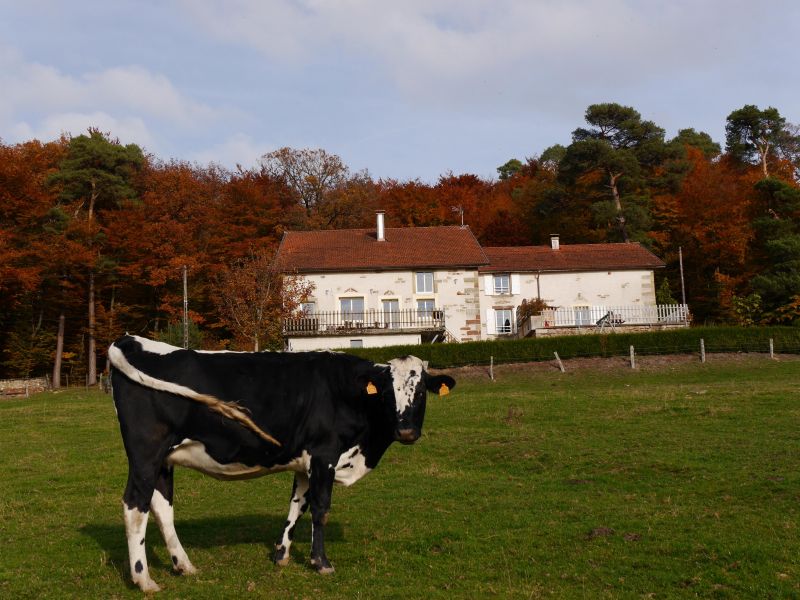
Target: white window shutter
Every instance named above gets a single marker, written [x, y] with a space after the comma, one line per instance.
[491, 322]
[514, 319]
[488, 285]
[515, 283]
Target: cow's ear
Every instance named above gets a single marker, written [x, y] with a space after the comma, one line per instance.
[440, 384]
[372, 380]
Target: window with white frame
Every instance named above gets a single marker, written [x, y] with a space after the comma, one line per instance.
[583, 315]
[502, 320]
[352, 309]
[425, 282]
[425, 308]
[502, 283]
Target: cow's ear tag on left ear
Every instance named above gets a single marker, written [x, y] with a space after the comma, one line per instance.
[444, 390]
[371, 389]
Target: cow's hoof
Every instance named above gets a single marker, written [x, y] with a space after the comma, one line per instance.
[186, 569]
[281, 556]
[322, 565]
[148, 586]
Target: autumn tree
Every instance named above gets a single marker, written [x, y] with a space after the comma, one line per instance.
[96, 174]
[311, 174]
[710, 218]
[253, 297]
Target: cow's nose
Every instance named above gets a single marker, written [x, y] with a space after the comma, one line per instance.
[407, 436]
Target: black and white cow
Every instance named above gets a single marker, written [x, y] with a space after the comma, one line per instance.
[329, 417]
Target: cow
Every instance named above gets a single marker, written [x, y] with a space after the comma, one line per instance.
[326, 416]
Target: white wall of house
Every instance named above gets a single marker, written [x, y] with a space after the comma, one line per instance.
[301, 344]
[454, 291]
[603, 288]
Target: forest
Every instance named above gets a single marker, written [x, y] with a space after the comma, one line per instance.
[95, 236]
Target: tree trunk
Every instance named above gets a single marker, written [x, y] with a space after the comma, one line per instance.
[763, 151]
[612, 182]
[59, 352]
[91, 375]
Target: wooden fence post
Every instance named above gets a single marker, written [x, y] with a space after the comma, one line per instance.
[702, 350]
[560, 364]
[771, 349]
[633, 358]
[491, 367]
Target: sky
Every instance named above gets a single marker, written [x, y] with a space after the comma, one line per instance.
[404, 89]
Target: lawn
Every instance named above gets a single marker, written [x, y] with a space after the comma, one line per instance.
[668, 483]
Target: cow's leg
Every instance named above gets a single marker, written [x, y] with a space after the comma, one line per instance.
[163, 512]
[320, 487]
[136, 505]
[297, 506]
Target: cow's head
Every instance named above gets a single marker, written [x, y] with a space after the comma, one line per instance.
[403, 389]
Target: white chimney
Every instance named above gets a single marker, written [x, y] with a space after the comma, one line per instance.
[379, 214]
[554, 241]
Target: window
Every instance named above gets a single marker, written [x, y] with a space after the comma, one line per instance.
[356, 343]
[425, 308]
[425, 283]
[352, 309]
[308, 308]
[583, 315]
[391, 313]
[502, 284]
[502, 319]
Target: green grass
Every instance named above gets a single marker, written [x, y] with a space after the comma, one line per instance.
[679, 483]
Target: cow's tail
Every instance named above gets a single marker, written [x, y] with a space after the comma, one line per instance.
[230, 410]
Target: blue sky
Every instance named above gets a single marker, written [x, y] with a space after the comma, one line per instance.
[406, 89]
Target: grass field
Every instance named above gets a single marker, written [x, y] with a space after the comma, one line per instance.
[668, 483]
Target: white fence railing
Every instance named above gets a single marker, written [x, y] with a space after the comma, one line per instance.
[612, 316]
[345, 322]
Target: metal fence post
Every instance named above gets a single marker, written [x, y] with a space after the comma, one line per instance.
[702, 350]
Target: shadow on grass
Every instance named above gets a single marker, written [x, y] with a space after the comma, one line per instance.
[204, 533]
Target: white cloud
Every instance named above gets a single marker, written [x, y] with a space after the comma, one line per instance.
[129, 130]
[238, 149]
[506, 53]
[131, 102]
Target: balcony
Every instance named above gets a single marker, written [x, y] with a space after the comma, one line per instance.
[600, 319]
[369, 322]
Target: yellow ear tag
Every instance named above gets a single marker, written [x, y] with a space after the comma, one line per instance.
[371, 389]
[444, 390]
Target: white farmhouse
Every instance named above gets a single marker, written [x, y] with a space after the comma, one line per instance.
[384, 286]
[581, 283]
[387, 286]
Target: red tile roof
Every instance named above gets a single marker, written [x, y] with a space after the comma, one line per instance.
[359, 250]
[570, 257]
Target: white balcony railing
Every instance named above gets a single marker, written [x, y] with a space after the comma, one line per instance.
[333, 322]
[610, 316]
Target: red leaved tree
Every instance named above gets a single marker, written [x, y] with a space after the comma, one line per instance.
[253, 297]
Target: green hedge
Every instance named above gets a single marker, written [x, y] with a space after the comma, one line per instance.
[674, 341]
